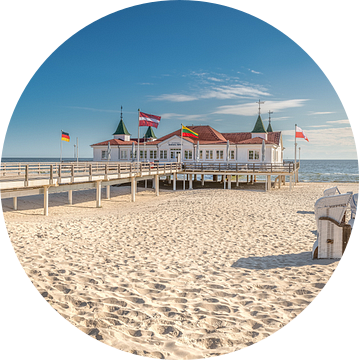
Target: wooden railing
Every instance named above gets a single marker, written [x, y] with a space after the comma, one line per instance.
[241, 167]
[26, 171]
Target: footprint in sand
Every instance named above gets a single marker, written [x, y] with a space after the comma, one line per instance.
[166, 330]
[62, 288]
[113, 301]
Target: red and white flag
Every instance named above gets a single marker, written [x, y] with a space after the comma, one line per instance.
[148, 120]
[299, 133]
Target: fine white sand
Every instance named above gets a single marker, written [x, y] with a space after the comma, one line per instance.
[186, 275]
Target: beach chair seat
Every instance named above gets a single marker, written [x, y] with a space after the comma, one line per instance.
[333, 232]
[332, 191]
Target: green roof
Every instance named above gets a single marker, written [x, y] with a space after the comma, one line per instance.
[121, 129]
[150, 134]
[259, 127]
[269, 128]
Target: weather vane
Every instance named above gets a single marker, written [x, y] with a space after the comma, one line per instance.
[259, 102]
[270, 112]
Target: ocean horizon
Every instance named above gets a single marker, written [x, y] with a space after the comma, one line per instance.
[310, 170]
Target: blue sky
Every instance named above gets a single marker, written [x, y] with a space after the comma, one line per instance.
[192, 63]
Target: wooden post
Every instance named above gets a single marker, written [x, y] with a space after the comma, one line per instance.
[69, 196]
[174, 182]
[190, 182]
[106, 171]
[72, 172]
[146, 184]
[108, 192]
[98, 194]
[224, 181]
[184, 181]
[237, 180]
[46, 200]
[229, 178]
[157, 187]
[90, 172]
[133, 189]
[51, 174]
[290, 182]
[14, 201]
[269, 183]
[202, 179]
[27, 175]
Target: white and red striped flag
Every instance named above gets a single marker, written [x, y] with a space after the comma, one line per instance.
[299, 133]
[148, 120]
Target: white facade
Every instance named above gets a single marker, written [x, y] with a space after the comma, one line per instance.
[212, 146]
[169, 149]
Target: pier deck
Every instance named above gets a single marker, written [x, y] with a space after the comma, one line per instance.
[25, 179]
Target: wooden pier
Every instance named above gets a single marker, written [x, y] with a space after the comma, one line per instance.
[251, 170]
[25, 179]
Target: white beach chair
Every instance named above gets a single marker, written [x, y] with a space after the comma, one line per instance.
[353, 209]
[332, 191]
[333, 232]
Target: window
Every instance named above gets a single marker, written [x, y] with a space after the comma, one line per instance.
[153, 154]
[103, 154]
[143, 154]
[253, 155]
[174, 153]
[200, 154]
[123, 154]
[219, 155]
[231, 154]
[209, 154]
[188, 154]
[163, 154]
[133, 155]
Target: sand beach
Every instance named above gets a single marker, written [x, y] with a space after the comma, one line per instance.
[186, 275]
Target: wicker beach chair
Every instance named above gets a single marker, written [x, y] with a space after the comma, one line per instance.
[353, 209]
[333, 232]
[332, 191]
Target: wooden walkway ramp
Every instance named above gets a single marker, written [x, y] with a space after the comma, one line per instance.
[25, 179]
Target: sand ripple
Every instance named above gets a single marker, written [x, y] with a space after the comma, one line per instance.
[186, 275]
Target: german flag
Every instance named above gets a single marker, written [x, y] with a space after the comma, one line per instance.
[188, 132]
[65, 136]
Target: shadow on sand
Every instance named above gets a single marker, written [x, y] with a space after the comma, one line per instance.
[280, 261]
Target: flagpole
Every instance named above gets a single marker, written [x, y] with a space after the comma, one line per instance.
[61, 147]
[77, 149]
[295, 154]
[181, 143]
[138, 140]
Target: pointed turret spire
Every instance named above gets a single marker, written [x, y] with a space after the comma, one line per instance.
[121, 132]
[150, 134]
[259, 127]
[121, 128]
[269, 129]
